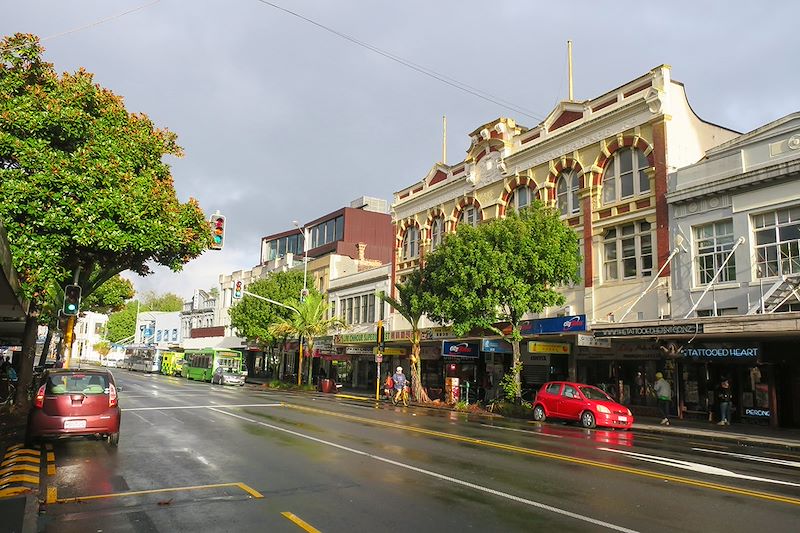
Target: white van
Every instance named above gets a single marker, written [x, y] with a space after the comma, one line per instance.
[114, 359]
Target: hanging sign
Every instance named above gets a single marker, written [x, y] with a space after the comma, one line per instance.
[460, 349]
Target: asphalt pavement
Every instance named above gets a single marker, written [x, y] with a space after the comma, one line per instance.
[194, 457]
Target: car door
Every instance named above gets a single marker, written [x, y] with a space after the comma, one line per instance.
[570, 403]
[549, 398]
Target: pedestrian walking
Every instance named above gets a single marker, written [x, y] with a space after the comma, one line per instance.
[725, 400]
[664, 394]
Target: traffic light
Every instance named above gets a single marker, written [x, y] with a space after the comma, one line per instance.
[217, 231]
[72, 300]
[380, 336]
[237, 289]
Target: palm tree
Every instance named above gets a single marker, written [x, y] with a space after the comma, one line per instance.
[410, 306]
[310, 321]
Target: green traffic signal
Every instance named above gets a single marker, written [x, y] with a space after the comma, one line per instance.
[72, 300]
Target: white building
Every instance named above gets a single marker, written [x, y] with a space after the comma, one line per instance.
[161, 328]
[89, 329]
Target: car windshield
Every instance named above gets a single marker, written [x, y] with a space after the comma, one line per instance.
[592, 393]
[82, 383]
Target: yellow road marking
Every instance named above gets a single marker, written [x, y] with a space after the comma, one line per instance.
[51, 469]
[300, 522]
[52, 495]
[354, 398]
[560, 457]
[16, 446]
[254, 493]
[15, 460]
[19, 478]
[708, 445]
[51, 457]
[18, 468]
[24, 452]
[14, 491]
[782, 456]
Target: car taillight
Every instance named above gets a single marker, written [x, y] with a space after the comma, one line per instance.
[112, 395]
[39, 402]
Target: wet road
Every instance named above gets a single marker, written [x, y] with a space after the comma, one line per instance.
[193, 457]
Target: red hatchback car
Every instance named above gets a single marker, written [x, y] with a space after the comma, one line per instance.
[75, 402]
[582, 403]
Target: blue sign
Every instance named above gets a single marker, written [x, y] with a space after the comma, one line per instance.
[561, 324]
[460, 349]
[496, 346]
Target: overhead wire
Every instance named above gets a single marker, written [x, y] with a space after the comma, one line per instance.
[413, 66]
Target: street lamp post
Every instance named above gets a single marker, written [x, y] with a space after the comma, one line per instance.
[305, 260]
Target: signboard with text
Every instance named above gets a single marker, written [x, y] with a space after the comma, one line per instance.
[495, 346]
[560, 324]
[460, 349]
[548, 347]
[650, 331]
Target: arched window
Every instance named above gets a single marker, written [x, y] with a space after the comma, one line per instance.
[469, 215]
[567, 192]
[437, 232]
[625, 175]
[411, 243]
[520, 198]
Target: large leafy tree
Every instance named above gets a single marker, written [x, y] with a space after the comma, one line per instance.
[410, 304]
[308, 321]
[481, 277]
[84, 193]
[121, 324]
[169, 301]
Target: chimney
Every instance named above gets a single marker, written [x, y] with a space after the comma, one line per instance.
[362, 247]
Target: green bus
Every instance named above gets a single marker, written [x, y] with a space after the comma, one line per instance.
[201, 365]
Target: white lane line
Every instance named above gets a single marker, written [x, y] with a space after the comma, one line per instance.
[528, 431]
[438, 476]
[143, 418]
[781, 462]
[698, 467]
[174, 407]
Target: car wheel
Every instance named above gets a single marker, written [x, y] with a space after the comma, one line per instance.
[587, 419]
[538, 414]
[113, 439]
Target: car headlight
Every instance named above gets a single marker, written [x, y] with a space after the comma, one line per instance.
[603, 409]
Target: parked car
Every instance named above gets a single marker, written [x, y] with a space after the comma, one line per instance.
[75, 402]
[582, 403]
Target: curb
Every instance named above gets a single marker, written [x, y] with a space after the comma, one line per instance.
[737, 438]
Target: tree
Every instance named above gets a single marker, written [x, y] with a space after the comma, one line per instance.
[308, 322]
[169, 302]
[121, 325]
[84, 193]
[410, 304]
[497, 272]
[109, 297]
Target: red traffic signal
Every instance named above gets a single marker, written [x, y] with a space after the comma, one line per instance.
[217, 231]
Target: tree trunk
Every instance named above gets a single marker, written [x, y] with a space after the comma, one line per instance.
[26, 364]
[516, 367]
[46, 348]
[416, 369]
[309, 356]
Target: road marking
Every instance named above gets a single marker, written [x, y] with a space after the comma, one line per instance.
[300, 522]
[782, 462]
[560, 457]
[697, 467]
[13, 460]
[177, 407]
[529, 431]
[17, 468]
[246, 488]
[442, 477]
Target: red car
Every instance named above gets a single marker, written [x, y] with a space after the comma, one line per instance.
[582, 403]
[75, 402]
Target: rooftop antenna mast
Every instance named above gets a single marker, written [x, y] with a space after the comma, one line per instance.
[444, 139]
[569, 67]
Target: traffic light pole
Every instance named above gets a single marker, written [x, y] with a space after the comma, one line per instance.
[69, 336]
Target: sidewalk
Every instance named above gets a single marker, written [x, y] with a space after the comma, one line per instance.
[18, 514]
[743, 434]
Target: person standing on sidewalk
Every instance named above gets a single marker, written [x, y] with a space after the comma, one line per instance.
[725, 399]
[664, 394]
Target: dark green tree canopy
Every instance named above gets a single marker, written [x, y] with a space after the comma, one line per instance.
[500, 270]
[252, 317]
[152, 301]
[83, 187]
[109, 297]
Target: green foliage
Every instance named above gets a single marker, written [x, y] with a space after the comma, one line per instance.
[461, 406]
[102, 347]
[252, 317]
[109, 297]
[83, 187]
[510, 384]
[500, 270]
[169, 302]
[122, 324]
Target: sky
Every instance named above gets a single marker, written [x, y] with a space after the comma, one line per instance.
[283, 117]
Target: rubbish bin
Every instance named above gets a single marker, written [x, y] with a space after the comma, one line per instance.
[327, 385]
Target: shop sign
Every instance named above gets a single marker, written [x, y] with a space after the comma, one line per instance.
[429, 353]
[358, 350]
[590, 340]
[764, 413]
[650, 331]
[548, 347]
[324, 346]
[356, 338]
[390, 350]
[496, 346]
[560, 324]
[460, 349]
[720, 352]
[535, 359]
[436, 333]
